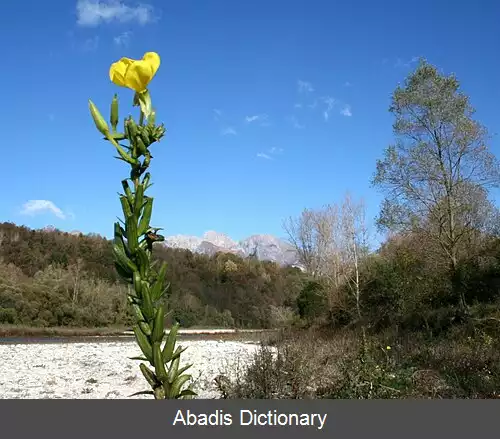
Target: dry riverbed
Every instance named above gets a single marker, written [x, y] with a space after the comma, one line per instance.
[103, 370]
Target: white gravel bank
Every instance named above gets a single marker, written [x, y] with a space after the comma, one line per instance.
[102, 370]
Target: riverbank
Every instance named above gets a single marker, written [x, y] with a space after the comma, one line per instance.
[61, 331]
[17, 334]
[104, 370]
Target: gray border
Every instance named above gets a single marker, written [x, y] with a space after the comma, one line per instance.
[345, 419]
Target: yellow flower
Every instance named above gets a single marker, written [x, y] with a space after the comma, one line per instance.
[388, 348]
[135, 74]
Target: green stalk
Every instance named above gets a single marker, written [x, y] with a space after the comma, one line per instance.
[133, 254]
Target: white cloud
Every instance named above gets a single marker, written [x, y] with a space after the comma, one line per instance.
[313, 105]
[297, 106]
[36, 207]
[229, 131]
[405, 63]
[123, 39]
[272, 152]
[264, 156]
[296, 123]
[256, 118]
[95, 12]
[329, 102]
[251, 118]
[304, 86]
[346, 111]
[275, 150]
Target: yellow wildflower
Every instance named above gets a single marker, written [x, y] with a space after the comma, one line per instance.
[135, 74]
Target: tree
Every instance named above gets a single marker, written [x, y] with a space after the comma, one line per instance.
[331, 243]
[302, 235]
[315, 237]
[439, 159]
[354, 245]
[311, 301]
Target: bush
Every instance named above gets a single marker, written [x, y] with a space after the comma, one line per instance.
[8, 315]
[312, 302]
[340, 367]
[295, 367]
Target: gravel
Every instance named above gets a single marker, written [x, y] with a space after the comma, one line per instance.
[103, 370]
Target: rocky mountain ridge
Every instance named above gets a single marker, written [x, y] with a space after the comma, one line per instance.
[262, 247]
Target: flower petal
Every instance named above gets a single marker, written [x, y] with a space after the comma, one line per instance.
[154, 60]
[135, 74]
[139, 76]
[118, 70]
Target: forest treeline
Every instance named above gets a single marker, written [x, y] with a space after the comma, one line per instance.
[53, 278]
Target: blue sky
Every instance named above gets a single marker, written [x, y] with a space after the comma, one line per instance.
[270, 106]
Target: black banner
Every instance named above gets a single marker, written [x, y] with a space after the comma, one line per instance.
[239, 419]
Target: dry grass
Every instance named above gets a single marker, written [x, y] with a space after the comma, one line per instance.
[322, 365]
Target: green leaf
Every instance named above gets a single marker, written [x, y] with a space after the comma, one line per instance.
[126, 157]
[173, 369]
[131, 229]
[122, 259]
[146, 216]
[187, 393]
[177, 385]
[143, 392]
[143, 342]
[183, 369]
[168, 349]
[156, 290]
[147, 304]
[144, 262]
[158, 327]
[160, 370]
[149, 375]
[139, 198]
[123, 273]
[128, 192]
[178, 352]
[126, 207]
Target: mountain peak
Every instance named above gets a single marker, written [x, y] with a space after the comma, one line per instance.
[262, 246]
[220, 239]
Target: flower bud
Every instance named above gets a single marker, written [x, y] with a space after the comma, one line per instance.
[147, 159]
[114, 113]
[159, 132]
[99, 121]
[132, 129]
[140, 145]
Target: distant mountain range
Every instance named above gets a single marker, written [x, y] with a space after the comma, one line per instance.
[262, 247]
